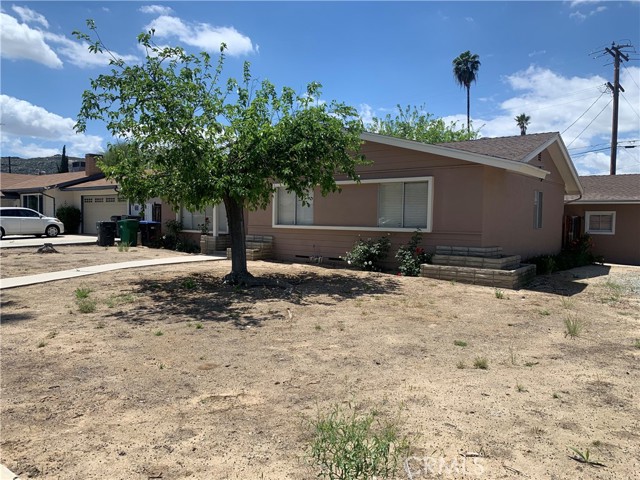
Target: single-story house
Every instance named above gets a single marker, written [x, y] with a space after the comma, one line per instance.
[609, 211]
[87, 190]
[506, 192]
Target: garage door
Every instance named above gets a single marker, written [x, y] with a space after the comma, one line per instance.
[100, 208]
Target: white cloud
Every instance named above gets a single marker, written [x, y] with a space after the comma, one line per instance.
[29, 16]
[366, 113]
[156, 9]
[21, 42]
[202, 35]
[537, 52]
[78, 54]
[45, 131]
[555, 102]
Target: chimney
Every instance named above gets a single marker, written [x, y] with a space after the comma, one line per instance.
[90, 167]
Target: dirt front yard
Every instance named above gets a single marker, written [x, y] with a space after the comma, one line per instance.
[170, 374]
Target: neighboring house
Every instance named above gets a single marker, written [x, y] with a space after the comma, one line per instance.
[507, 192]
[8, 180]
[87, 190]
[609, 211]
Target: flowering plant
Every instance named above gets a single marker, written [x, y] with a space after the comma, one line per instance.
[411, 256]
[368, 254]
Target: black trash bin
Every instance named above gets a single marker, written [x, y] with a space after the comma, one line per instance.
[149, 233]
[106, 233]
[117, 218]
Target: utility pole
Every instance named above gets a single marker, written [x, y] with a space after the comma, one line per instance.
[616, 53]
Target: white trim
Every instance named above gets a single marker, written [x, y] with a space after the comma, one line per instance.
[427, 229]
[587, 217]
[602, 202]
[513, 166]
[351, 229]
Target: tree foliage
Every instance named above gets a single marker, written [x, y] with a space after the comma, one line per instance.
[523, 121]
[195, 139]
[414, 123]
[64, 161]
[465, 72]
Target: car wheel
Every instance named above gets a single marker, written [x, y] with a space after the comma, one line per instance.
[52, 231]
[1, 232]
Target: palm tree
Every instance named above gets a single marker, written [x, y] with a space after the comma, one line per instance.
[522, 120]
[465, 71]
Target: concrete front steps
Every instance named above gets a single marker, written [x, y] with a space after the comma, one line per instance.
[479, 266]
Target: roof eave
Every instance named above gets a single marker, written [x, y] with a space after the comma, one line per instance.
[518, 167]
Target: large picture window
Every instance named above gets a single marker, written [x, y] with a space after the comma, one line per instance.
[403, 205]
[291, 210]
[602, 223]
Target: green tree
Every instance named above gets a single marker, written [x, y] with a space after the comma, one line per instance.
[465, 72]
[64, 161]
[523, 121]
[414, 123]
[195, 140]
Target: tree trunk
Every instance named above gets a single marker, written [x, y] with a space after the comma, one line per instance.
[468, 108]
[235, 215]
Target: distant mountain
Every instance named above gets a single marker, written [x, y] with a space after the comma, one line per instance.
[35, 166]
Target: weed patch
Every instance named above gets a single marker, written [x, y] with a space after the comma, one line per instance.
[351, 446]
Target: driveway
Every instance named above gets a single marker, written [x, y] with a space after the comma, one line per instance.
[15, 241]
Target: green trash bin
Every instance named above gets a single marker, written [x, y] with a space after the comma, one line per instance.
[128, 232]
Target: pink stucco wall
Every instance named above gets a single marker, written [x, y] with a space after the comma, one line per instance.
[624, 245]
[473, 205]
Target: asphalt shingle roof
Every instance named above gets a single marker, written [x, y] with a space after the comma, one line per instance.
[516, 148]
[609, 188]
[40, 181]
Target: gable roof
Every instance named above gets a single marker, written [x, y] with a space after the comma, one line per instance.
[609, 189]
[516, 148]
[34, 183]
[509, 153]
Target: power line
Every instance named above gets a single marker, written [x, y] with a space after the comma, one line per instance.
[590, 122]
[630, 76]
[630, 106]
[583, 113]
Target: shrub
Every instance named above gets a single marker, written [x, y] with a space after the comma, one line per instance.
[411, 256]
[171, 239]
[71, 217]
[576, 254]
[348, 446]
[368, 254]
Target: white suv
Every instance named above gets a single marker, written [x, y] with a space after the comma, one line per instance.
[24, 221]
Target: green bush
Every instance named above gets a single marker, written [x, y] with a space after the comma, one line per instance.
[348, 446]
[368, 254]
[576, 254]
[411, 256]
[71, 217]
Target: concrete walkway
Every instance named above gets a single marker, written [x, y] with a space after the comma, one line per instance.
[6, 474]
[18, 241]
[80, 272]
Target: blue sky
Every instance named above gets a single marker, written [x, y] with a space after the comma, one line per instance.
[540, 58]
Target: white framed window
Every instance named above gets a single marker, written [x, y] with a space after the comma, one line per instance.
[34, 202]
[216, 215]
[600, 223]
[403, 205]
[537, 209]
[290, 210]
